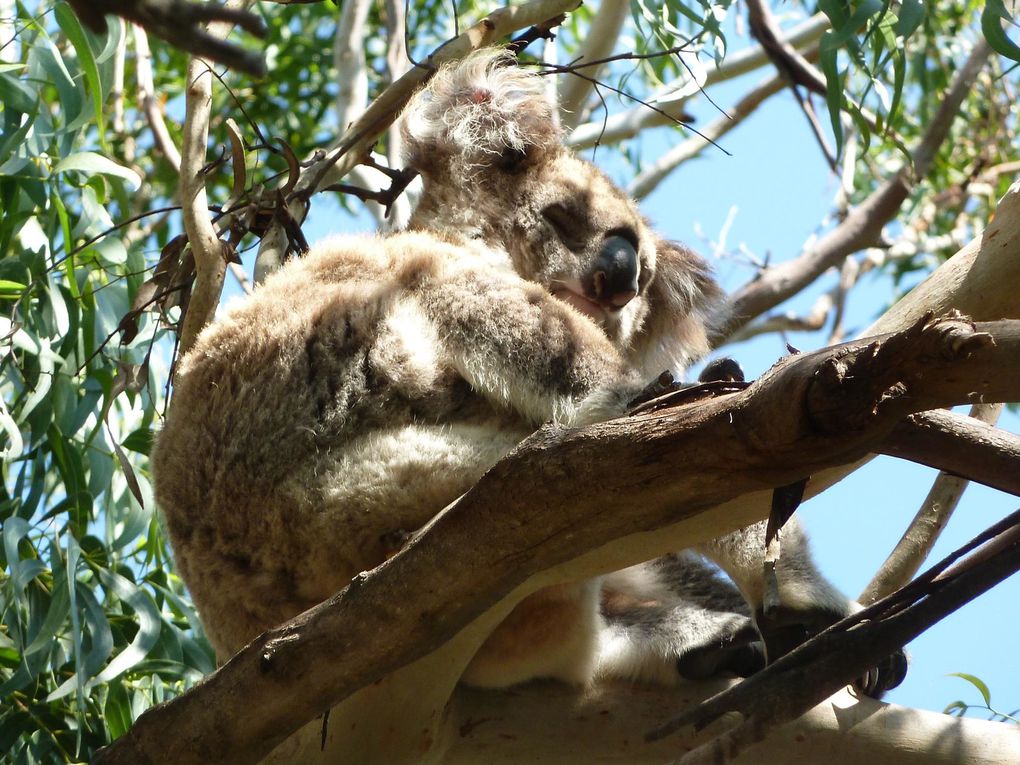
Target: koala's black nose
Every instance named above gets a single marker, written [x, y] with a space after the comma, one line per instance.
[615, 278]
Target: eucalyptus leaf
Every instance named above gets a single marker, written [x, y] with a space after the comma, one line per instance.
[992, 18]
[69, 23]
[149, 624]
[90, 163]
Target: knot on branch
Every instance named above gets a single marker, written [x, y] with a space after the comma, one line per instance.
[878, 378]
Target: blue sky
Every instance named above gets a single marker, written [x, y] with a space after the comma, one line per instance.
[781, 188]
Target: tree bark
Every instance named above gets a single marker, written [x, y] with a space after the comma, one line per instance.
[555, 725]
[563, 493]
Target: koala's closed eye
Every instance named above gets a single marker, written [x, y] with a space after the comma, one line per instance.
[565, 222]
[512, 160]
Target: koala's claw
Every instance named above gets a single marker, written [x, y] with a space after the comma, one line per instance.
[889, 673]
[783, 629]
[660, 386]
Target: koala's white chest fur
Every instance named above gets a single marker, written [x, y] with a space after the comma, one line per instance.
[407, 347]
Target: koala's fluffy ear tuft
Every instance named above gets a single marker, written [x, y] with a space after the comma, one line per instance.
[482, 112]
[684, 304]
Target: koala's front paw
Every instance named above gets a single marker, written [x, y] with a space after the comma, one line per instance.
[741, 653]
[783, 629]
[660, 386]
[724, 369]
[887, 675]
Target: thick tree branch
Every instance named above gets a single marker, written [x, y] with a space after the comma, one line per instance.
[598, 44]
[556, 724]
[960, 446]
[863, 226]
[562, 493]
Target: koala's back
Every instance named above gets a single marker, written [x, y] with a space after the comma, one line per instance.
[313, 425]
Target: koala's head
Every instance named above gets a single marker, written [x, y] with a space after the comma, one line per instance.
[484, 138]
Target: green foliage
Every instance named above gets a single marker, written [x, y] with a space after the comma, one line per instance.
[94, 626]
[960, 708]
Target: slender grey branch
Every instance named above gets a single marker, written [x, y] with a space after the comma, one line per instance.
[151, 106]
[649, 178]
[349, 60]
[863, 226]
[924, 530]
[597, 44]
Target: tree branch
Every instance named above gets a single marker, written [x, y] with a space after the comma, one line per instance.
[599, 43]
[914, 547]
[562, 493]
[150, 105]
[556, 724]
[959, 445]
[630, 122]
[649, 178]
[180, 23]
[210, 258]
[349, 60]
[794, 68]
[863, 226]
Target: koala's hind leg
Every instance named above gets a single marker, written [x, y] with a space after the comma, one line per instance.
[552, 633]
[807, 602]
[675, 617]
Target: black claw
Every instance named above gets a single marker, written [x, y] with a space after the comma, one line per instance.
[723, 369]
[886, 676]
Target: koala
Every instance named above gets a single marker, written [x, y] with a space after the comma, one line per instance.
[364, 387]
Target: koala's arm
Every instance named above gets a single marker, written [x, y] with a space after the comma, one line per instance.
[522, 349]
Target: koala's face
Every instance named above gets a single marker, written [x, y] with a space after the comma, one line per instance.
[485, 140]
[574, 232]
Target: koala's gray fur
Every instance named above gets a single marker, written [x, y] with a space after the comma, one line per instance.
[364, 387]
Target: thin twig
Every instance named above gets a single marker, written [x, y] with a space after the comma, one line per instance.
[649, 178]
[924, 530]
[628, 123]
[598, 42]
[863, 226]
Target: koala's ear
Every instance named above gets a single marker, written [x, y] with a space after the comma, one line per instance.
[684, 303]
[479, 113]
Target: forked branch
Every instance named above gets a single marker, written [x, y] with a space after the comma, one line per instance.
[562, 493]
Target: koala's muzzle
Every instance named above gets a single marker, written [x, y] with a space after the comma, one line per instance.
[614, 280]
